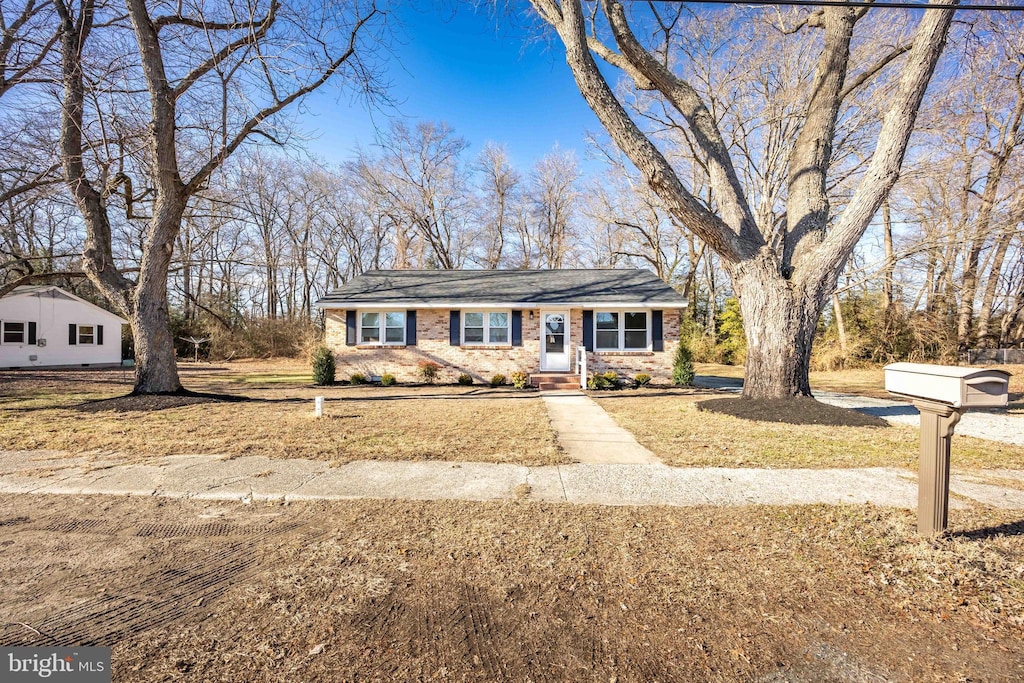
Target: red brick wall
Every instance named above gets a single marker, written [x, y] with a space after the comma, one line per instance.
[484, 362]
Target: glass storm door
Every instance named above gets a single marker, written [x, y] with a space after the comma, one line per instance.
[554, 340]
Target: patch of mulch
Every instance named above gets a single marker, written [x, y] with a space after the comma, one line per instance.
[800, 410]
[152, 402]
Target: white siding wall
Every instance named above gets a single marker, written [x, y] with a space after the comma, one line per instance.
[53, 313]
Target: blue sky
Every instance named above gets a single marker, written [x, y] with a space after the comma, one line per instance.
[487, 78]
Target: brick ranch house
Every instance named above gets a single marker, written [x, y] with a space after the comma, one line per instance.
[484, 322]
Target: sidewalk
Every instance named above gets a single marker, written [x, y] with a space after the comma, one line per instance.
[249, 479]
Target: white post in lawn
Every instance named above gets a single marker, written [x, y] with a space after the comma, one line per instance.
[318, 408]
[581, 365]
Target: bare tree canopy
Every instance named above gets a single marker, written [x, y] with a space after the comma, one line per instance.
[783, 272]
[157, 95]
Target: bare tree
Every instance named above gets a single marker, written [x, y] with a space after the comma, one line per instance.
[500, 187]
[209, 76]
[420, 177]
[783, 275]
[553, 197]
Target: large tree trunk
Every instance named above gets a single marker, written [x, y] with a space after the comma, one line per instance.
[156, 370]
[779, 322]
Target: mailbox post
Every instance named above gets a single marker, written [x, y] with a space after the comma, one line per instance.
[942, 394]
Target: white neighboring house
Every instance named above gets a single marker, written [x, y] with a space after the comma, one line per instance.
[45, 326]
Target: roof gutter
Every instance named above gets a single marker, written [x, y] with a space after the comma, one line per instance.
[354, 305]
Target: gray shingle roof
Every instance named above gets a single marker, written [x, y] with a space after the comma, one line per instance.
[438, 288]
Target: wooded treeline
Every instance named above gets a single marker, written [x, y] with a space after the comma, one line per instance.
[272, 228]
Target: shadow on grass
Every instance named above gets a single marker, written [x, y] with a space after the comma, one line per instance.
[155, 402]
[985, 533]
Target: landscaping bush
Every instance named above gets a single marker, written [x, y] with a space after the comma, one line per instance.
[498, 380]
[641, 379]
[520, 379]
[428, 370]
[682, 366]
[357, 378]
[598, 382]
[322, 360]
[387, 380]
[465, 379]
[612, 378]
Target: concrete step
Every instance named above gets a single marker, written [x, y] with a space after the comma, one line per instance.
[557, 386]
[554, 380]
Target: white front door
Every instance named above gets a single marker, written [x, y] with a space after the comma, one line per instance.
[554, 340]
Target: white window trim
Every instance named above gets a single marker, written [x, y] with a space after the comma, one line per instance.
[621, 348]
[381, 328]
[78, 335]
[24, 332]
[487, 328]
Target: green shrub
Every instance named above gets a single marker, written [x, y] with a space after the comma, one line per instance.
[682, 366]
[498, 380]
[357, 378]
[465, 379]
[322, 360]
[731, 338]
[597, 382]
[641, 379]
[387, 380]
[612, 378]
[428, 370]
[520, 379]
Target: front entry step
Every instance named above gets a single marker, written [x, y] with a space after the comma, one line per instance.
[548, 381]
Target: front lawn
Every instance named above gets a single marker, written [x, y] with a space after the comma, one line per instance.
[669, 424]
[271, 414]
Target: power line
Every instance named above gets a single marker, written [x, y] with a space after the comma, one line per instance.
[859, 3]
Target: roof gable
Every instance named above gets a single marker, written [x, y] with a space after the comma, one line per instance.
[54, 292]
[427, 288]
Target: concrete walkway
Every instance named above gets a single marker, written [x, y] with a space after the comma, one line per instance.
[589, 435]
[258, 478]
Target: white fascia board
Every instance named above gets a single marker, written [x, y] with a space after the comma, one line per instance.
[76, 298]
[514, 304]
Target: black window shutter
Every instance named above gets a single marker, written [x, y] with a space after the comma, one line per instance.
[588, 330]
[99, 334]
[350, 328]
[410, 328]
[657, 335]
[31, 333]
[517, 328]
[72, 334]
[454, 333]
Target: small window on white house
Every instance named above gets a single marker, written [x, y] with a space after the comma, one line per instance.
[621, 330]
[375, 326]
[14, 333]
[86, 334]
[480, 327]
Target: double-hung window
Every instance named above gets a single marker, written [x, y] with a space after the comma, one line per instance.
[382, 327]
[86, 334]
[486, 327]
[13, 333]
[621, 330]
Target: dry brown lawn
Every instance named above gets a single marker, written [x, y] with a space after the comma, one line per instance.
[81, 412]
[669, 424]
[186, 590]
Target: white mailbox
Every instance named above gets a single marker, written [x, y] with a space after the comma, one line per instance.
[954, 386]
